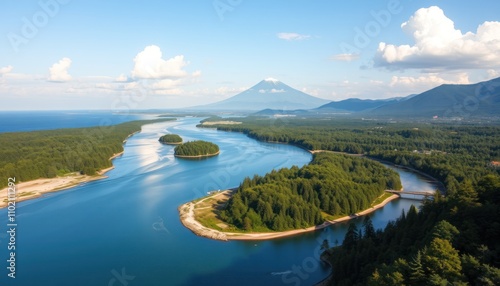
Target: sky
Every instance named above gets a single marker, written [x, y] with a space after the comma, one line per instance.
[114, 55]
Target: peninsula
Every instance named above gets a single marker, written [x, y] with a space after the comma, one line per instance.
[332, 188]
[54, 160]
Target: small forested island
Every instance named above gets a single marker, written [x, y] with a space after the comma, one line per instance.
[172, 139]
[331, 186]
[196, 149]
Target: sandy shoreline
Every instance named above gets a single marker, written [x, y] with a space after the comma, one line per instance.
[36, 188]
[188, 219]
[197, 157]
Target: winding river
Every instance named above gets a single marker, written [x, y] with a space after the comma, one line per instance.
[125, 230]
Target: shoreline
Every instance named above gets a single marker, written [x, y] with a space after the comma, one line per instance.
[37, 188]
[198, 156]
[171, 143]
[187, 217]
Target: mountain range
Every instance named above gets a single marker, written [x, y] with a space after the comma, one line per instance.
[273, 97]
[356, 104]
[448, 100]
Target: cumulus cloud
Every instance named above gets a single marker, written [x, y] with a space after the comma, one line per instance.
[493, 73]
[422, 83]
[166, 84]
[292, 36]
[149, 64]
[58, 72]
[6, 70]
[344, 57]
[438, 45]
[122, 78]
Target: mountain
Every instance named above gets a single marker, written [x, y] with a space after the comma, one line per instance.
[267, 94]
[448, 100]
[356, 104]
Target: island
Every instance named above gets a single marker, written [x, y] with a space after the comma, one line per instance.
[332, 188]
[171, 139]
[196, 149]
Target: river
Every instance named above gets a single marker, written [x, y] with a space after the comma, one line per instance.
[125, 230]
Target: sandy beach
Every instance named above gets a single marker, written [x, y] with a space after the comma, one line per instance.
[187, 216]
[198, 156]
[36, 188]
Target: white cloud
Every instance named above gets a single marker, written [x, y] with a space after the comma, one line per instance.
[6, 70]
[58, 72]
[166, 84]
[149, 64]
[224, 90]
[196, 74]
[344, 57]
[419, 84]
[122, 78]
[293, 36]
[438, 45]
[493, 73]
[277, 90]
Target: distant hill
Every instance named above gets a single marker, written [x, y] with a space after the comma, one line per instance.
[448, 100]
[267, 94]
[356, 104]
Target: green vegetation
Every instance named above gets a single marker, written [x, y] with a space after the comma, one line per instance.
[295, 198]
[196, 149]
[50, 153]
[447, 152]
[450, 241]
[170, 139]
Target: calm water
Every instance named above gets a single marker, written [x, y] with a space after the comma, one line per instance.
[125, 230]
[14, 121]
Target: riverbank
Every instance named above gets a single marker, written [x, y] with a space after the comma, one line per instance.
[36, 188]
[188, 219]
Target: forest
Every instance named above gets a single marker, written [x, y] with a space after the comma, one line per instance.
[50, 153]
[333, 184]
[170, 139]
[450, 240]
[196, 148]
[449, 152]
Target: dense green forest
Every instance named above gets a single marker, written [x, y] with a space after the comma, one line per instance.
[196, 148]
[295, 198]
[448, 152]
[452, 240]
[49, 153]
[170, 139]
[449, 241]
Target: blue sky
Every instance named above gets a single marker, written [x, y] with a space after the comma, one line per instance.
[71, 54]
